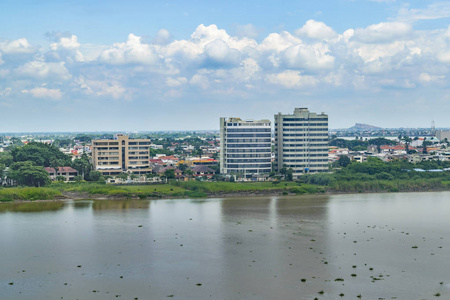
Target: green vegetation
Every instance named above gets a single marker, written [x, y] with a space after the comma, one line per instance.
[191, 189]
[378, 176]
[28, 193]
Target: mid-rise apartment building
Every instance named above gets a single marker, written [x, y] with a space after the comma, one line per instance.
[245, 147]
[121, 154]
[301, 141]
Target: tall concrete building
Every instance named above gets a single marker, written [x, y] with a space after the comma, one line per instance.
[245, 147]
[301, 142]
[112, 157]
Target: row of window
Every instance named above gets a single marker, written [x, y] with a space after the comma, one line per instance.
[301, 129]
[238, 166]
[309, 155]
[324, 149]
[138, 157]
[246, 160]
[249, 135]
[248, 146]
[260, 140]
[302, 134]
[304, 119]
[249, 129]
[304, 124]
[138, 143]
[249, 150]
[304, 140]
[248, 155]
[108, 153]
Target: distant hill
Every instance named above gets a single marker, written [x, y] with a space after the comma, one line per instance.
[363, 127]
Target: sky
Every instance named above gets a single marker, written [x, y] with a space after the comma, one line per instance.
[181, 65]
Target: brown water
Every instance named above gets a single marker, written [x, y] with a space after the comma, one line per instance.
[246, 248]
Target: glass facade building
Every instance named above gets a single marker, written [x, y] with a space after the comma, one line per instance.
[301, 142]
[245, 147]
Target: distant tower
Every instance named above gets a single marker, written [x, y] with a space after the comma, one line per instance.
[433, 129]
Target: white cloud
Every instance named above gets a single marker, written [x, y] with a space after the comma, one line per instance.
[279, 42]
[43, 92]
[432, 11]
[162, 37]
[5, 92]
[316, 30]
[67, 48]
[176, 82]
[383, 32]
[44, 70]
[292, 80]
[19, 46]
[131, 52]
[248, 30]
[311, 57]
[102, 88]
[426, 78]
[200, 81]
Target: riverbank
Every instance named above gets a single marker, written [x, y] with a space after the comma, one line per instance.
[77, 191]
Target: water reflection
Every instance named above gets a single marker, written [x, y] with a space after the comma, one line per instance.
[29, 207]
[119, 204]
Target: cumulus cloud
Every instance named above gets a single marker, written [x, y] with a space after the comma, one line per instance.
[389, 54]
[44, 70]
[292, 80]
[163, 37]
[133, 51]
[431, 12]
[176, 82]
[248, 30]
[310, 57]
[43, 92]
[19, 46]
[383, 32]
[316, 30]
[67, 48]
[106, 88]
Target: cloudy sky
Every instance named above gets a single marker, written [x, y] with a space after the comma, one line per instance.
[180, 65]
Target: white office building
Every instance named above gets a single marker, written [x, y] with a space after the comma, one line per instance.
[301, 142]
[245, 147]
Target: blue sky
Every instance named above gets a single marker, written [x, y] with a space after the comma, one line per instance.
[176, 65]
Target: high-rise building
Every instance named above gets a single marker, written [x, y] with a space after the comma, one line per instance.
[114, 156]
[245, 147]
[301, 142]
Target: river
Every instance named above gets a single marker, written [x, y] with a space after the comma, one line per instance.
[388, 246]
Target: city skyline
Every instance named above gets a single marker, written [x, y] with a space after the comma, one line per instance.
[139, 66]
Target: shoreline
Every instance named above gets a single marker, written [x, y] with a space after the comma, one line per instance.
[74, 196]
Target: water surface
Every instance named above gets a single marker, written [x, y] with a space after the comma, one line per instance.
[392, 246]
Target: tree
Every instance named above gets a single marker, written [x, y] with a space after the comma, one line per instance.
[182, 167]
[26, 173]
[6, 158]
[169, 173]
[343, 161]
[60, 178]
[289, 174]
[41, 154]
[95, 176]
[189, 173]
[82, 165]
[123, 176]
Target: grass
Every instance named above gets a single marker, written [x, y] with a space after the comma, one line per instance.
[28, 193]
[191, 189]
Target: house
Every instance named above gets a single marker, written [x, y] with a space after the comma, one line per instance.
[67, 172]
[177, 171]
[203, 171]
